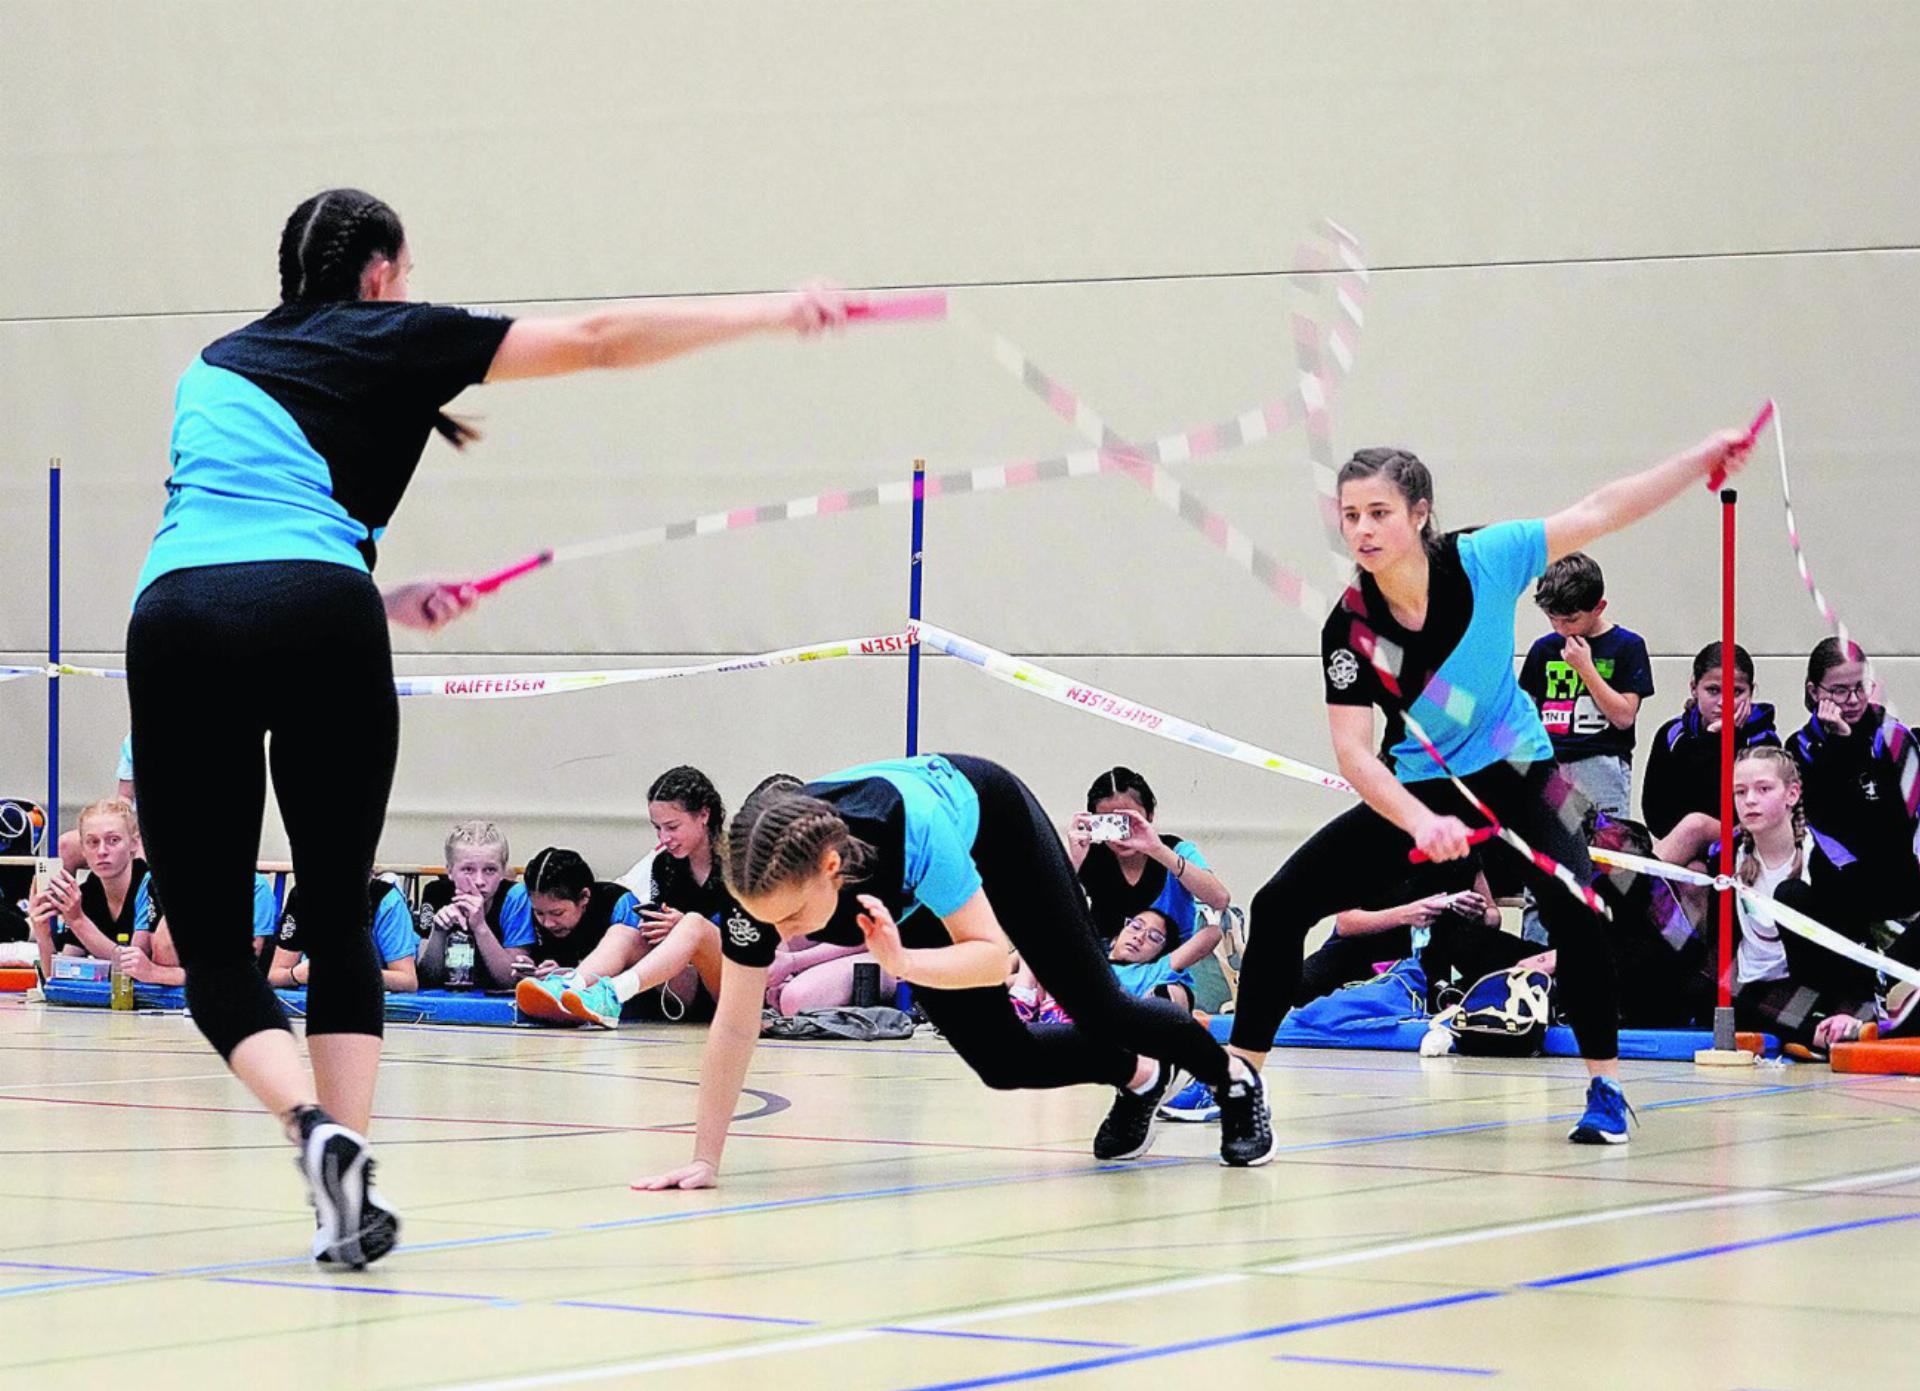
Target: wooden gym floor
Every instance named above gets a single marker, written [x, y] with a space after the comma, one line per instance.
[886, 1222]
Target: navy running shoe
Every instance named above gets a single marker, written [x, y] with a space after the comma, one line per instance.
[1605, 1121]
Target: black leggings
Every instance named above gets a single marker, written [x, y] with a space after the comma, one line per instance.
[1331, 871]
[1030, 883]
[219, 658]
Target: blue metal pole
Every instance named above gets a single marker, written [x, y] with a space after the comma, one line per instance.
[53, 656]
[913, 604]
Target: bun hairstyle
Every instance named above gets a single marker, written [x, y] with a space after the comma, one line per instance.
[558, 873]
[1118, 782]
[1788, 771]
[688, 787]
[325, 248]
[1403, 469]
[779, 838]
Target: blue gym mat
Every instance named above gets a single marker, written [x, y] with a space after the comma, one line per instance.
[422, 1007]
[1673, 1045]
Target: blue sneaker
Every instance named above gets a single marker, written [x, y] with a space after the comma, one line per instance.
[1194, 1104]
[1605, 1122]
[593, 1004]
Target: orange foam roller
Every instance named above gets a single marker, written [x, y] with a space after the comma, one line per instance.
[1899, 1056]
[14, 979]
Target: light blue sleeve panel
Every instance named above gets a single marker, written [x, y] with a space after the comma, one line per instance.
[626, 911]
[1503, 559]
[266, 913]
[516, 918]
[124, 772]
[393, 934]
[143, 905]
[943, 817]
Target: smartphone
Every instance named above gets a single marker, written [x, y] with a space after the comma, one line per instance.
[1108, 826]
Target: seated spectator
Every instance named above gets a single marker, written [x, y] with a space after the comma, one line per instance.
[1860, 774]
[152, 960]
[72, 853]
[1683, 760]
[87, 917]
[673, 948]
[1140, 957]
[477, 907]
[390, 921]
[1587, 677]
[1784, 983]
[1143, 869]
[1446, 917]
[807, 975]
[573, 914]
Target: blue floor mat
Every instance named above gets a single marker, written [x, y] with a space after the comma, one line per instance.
[1674, 1045]
[421, 1007]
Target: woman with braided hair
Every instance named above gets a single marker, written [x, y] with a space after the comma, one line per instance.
[1426, 633]
[294, 438]
[944, 865]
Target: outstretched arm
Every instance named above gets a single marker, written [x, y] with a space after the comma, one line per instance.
[1625, 501]
[642, 333]
[723, 1074]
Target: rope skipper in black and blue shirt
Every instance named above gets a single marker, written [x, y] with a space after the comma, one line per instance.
[294, 439]
[942, 866]
[1426, 635]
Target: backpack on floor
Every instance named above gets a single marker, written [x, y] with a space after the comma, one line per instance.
[1503, 1015]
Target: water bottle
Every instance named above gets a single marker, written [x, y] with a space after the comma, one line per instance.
[459, 959]
[121, 989]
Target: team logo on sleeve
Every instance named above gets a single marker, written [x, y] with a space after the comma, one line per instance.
[742, 930]
[1343, 669]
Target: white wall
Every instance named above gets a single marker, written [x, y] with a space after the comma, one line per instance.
[1598, 234]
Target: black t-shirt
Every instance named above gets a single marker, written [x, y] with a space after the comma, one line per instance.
[671, 883]
[292, 939]
[1350, 678]
[93, 903]
[1114, 900]
[1683, 764]
[363, 381]
[1576, 725]
[875, 814]
[440, 892]
[605, 903]
[1862, 790]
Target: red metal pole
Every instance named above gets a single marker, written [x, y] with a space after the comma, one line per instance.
[1723, 1015]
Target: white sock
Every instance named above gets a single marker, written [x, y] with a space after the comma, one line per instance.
[1238, 1069]
[625, 985]
[1151, 1082]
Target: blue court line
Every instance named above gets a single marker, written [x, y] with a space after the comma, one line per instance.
[1088, 1364]
[73, 1269]
[368, 1289]
[1000, 1337]
[1433, 1368]
[866, 1194]
[1394, 1310]
[1605, 1271]
[681, 1313]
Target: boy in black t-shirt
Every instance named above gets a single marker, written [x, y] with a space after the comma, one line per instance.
[1588, 677]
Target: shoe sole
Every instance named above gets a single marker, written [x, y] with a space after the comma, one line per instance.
[1190, 1117]
[1585, 1135]
[354, 1231]
[535, 1002]
[578, 1009]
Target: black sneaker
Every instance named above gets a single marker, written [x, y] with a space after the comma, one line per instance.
[1127, 1132]
[355, 1228]
[1246, 1130]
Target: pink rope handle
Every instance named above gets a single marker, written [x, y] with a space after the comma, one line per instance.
[931, 304]
[1477, 836]
[1719, 476]
[514, 571]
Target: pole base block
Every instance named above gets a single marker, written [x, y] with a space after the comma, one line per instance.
[1722, 1057]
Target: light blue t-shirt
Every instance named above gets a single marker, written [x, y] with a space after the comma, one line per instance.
[938, 819]
[393, 934]
[266, 908]
[1143, 977]
[516, 917]
[1485, 718]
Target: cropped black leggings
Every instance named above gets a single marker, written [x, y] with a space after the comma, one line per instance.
[1332, 872]
[1029, 881]
[220, 660]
